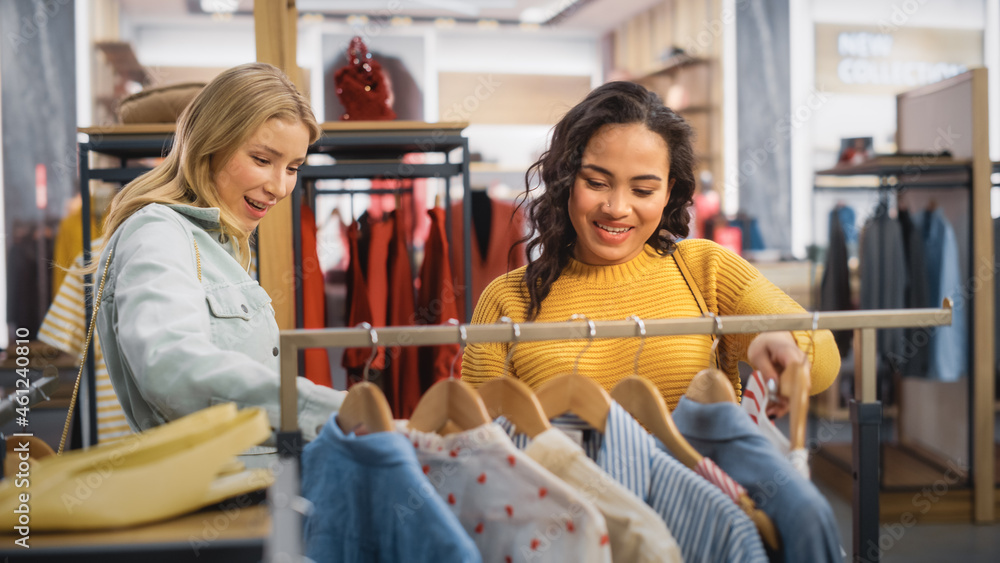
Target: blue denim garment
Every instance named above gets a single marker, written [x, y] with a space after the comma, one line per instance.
[949, 346]
[724, 433]
[373, 504]
[174, 344]
[848, 222]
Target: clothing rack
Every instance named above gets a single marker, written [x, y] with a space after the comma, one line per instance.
[866, 410]
[378, 153]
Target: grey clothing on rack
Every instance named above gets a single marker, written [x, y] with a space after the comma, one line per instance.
[883, 281]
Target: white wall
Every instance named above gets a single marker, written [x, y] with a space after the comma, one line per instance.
[182, 42]
[514, 147]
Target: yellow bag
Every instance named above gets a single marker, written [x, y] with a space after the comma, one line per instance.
[164, 472]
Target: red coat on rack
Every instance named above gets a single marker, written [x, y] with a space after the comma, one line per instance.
[402, 383]
[506, 227]
[317, 362]
[436, 302]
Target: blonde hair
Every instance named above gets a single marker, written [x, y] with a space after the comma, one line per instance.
[211, 129]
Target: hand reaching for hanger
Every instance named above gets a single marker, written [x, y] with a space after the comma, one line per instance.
[770, 352]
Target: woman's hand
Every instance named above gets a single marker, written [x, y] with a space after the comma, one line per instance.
[770, 353]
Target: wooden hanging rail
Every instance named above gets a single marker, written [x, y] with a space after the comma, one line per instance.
[294, 340]
[433, 335]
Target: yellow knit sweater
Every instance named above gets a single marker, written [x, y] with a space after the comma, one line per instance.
[652, 287]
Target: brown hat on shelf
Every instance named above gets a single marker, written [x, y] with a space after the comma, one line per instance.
[163, 104]
[363, 87]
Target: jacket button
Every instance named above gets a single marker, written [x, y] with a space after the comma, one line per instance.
[244, 307]
[275, 351]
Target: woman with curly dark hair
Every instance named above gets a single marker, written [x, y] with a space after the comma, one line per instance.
[606, 226]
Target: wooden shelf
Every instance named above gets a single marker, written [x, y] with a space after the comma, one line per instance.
[897, 164]
[328, 127]
[672, 66]
[231, 534]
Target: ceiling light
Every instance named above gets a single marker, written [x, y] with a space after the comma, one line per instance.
[445, 23]
[536, 15]
[357, 20]
[488, 24]
[543, 14]
[401, 21]
[219, 6]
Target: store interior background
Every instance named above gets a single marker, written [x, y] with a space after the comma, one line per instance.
[771, 87]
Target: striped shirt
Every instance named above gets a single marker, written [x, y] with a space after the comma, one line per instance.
[707, 525]
[64, 327]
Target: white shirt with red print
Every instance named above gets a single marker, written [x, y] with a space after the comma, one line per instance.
[514, 509]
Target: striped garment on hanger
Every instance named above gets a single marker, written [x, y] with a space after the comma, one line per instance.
[706, 523]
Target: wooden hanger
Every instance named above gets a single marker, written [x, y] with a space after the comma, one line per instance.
[710, 385]
[794, 383]
[577, 394]
[450, 400]
[365, 409]
[510, 397]
[641, 399]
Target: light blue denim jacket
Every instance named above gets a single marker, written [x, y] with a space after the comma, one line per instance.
[173, 344]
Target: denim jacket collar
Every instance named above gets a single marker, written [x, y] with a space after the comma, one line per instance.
[208, 217]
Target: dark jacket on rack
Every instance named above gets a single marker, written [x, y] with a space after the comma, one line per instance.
[835, 289]
[916, 294]
[883, 280]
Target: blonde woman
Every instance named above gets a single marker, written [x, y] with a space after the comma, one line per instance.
[182, 324]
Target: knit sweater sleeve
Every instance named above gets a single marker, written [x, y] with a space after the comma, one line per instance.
[732, 286]
[503, 297]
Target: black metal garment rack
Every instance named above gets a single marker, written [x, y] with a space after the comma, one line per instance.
[894, 174]
[379, 154]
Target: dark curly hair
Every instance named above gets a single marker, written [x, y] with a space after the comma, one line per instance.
[548, 215]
